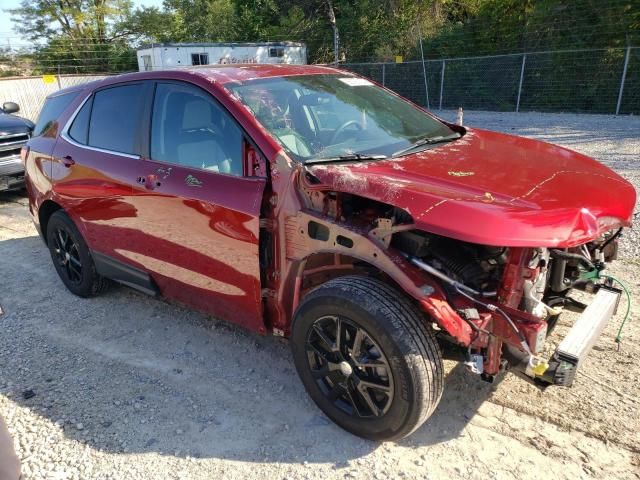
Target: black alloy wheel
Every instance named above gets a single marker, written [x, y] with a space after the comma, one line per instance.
[68, 256]
[71, 256]
[349, 367]
[367, 357]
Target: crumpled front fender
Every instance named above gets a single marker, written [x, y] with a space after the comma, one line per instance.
[416, 283]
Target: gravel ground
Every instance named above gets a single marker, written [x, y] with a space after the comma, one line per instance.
[125, 386]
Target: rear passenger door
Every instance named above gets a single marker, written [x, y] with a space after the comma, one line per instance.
[95, 162]
[198, 209]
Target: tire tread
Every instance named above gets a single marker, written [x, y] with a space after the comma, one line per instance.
[426, 367]
[98, 283]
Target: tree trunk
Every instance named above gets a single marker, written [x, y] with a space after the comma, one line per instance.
[332, 20]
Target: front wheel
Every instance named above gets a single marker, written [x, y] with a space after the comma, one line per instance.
[367, 358]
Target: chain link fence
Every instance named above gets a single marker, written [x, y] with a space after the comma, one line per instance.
[581, 81]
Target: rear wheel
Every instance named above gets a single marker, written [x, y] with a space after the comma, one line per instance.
[71, 257]
[366, 357]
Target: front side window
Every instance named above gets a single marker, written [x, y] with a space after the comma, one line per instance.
[52, 109]
[190, 129]
[317, 117]
[115, 118]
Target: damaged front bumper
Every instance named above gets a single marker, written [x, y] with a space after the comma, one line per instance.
[561, 368]
[505, 337]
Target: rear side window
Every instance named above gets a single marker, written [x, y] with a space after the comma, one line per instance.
[52, 109]
[115, 118]
[79, 130]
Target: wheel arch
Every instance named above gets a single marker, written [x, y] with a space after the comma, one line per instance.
[48, 208]
[309, 237]
[320, 267]
[405, 281]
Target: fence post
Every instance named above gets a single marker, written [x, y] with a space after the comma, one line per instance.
[383, 73]
[58, 78]
[444, 64]
[624, 75]
[524, 61]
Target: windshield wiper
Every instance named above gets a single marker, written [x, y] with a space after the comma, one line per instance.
[426, 141]
[346, 158]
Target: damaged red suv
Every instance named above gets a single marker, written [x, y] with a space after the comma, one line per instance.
[310, 203]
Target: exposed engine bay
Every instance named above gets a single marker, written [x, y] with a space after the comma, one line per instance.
[478, 266]
[551, 273]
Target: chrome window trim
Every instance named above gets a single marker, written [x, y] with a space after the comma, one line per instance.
[65, 134]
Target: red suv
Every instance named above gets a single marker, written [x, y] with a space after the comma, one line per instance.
[311, 203]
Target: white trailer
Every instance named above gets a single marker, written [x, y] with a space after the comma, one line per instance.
[161, 56]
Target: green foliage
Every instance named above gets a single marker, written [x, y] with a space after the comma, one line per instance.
[62, 55]
[99, 35]
[472, 28]
[79, 20]
[80, 35]
[186, 21]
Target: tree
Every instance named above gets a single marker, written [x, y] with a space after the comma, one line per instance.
[185, 21]
[98, 35]
[368, 28]
[484, 27]
[80, 35]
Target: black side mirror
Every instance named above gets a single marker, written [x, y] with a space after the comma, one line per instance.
[10, 107]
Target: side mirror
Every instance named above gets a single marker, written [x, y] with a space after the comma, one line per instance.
[10, 107]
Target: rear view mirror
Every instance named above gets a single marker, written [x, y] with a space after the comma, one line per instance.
[10, 107]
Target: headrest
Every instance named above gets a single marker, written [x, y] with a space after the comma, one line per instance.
[196, 114]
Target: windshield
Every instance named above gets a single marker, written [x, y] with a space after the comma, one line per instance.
[331, 116]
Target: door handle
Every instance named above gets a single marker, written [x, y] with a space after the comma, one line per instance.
[68, 160]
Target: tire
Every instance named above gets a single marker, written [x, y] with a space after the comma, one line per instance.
[72, 258]
[405, 383]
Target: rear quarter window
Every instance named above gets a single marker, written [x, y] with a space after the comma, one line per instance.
[51, 110]
[79, 130]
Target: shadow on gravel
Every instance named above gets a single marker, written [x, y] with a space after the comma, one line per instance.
[463, 395]
[126, 373]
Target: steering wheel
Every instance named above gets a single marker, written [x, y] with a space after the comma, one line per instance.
[340, 130]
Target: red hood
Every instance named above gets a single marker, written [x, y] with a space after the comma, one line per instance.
[495, 189]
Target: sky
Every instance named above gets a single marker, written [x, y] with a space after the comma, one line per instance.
[9, 37]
